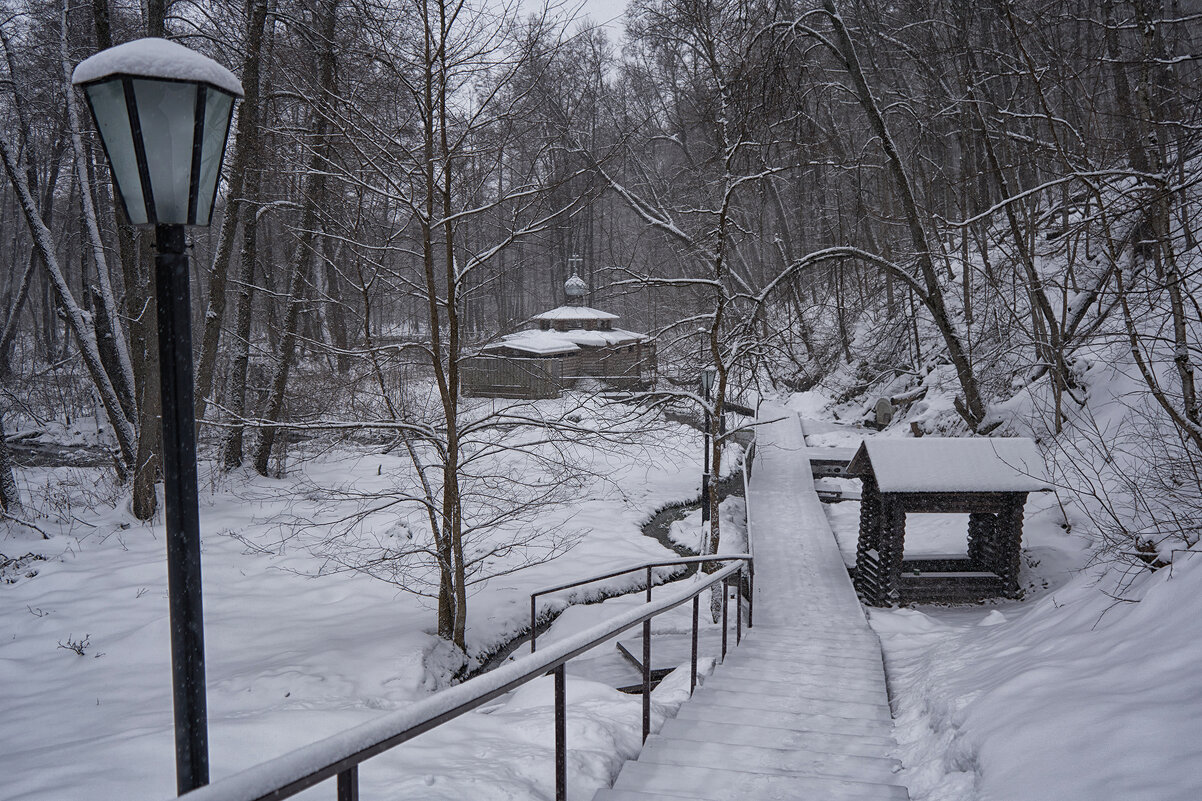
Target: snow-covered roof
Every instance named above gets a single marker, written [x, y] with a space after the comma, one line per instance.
[545, 343]
[599, 339]
[542, 343]
[952, 464]
[156, 58]
[575, 313]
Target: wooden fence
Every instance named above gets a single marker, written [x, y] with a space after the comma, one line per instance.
[512, 377]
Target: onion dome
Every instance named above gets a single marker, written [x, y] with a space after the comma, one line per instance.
[575, 289]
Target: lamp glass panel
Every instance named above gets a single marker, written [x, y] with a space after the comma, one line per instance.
[217, 122]
[167, 113]
[112, 119]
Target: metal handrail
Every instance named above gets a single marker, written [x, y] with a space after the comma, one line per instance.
[647, 566]
[341, 754]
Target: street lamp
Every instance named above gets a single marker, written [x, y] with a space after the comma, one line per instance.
[163, 112]
[708, 374]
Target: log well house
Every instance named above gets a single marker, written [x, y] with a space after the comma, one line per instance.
[987, 479]
[568, 344]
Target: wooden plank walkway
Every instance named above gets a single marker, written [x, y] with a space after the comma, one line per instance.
[799, 710]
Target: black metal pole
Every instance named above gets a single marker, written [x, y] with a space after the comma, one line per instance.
[693, 674]
[705, 412]
[750, 594]
[561, 735]
[646, 679]
[181, 511]
[725, 597]
[705, 471]
[533, 625]
[348, 784]
[739, 610]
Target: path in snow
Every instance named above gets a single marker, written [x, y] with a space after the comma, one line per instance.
[799, 710]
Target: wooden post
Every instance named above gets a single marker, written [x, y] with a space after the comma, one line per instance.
[1008, 536]
[892, 545]
[981, 528]
[867, 577]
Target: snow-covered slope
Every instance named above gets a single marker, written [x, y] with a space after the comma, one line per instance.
[1081, 691]
[290, 658]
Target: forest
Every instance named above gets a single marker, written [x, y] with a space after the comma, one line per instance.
[946, 219]
[977, 202]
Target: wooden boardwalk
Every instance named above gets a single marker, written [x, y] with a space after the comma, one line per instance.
[800, 709]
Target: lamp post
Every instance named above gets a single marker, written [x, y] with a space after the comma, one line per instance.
[163, 112]
[707, 384]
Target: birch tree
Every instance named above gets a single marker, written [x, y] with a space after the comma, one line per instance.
[77, 319]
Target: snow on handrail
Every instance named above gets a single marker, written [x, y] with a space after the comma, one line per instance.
[683, 560]
[298, 770]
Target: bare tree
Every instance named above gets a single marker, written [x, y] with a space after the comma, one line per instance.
[240, 211]
[10, 498]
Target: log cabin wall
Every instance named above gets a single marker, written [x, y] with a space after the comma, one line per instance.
[513, 377]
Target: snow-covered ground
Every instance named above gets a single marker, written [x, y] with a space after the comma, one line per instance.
[1072, 695]
[688, 532]
[1084, 690]
[292, 658]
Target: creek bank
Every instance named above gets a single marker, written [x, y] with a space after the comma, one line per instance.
[657, 528]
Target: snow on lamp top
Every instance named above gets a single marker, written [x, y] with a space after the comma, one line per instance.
[163, 113]
[156, 58]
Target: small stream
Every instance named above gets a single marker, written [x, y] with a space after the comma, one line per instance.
[32, 452]
[656, 528]
[659, 524]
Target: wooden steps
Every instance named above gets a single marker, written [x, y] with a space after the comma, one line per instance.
[852, 689]
[737, 784]
[675, 751]
[694, 728]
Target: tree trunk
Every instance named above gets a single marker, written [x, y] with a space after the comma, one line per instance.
[1126, 119]
[156, 17]
[235, 390]
[106, 323]
[10, 499]
[239, 209]
[76, 319]
[315, 197]
[9, 332]
[335, 312]
[146, 466]
[972, 407]
[46, 207]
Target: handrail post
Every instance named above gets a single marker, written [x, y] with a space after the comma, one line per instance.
[739, 610]
[348, 784]
[693, 677]
[725, 598]
[533, 626]
[646, 679]
[561, 735]
[750, 593]
[648, 583]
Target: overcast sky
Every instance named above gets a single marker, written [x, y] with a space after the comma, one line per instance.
[607, 13]
[603, 11]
